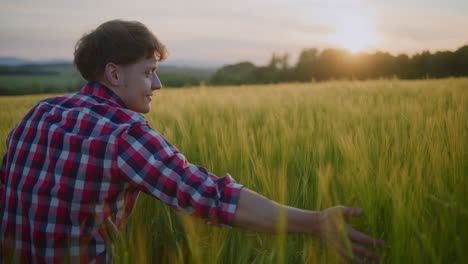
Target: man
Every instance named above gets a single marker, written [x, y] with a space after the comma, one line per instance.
[76, 163]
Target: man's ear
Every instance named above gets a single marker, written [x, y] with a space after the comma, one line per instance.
[112, 74]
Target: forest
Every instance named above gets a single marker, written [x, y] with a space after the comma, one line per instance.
[332, 64]
[312, 65]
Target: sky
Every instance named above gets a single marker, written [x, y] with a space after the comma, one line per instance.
[217, 32]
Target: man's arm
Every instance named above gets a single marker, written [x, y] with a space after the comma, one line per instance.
[150, 163]
[257, 213]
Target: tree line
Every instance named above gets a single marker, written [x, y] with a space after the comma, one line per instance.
[332, 63]
[312, 64]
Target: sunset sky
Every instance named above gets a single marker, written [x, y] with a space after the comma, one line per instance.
[215, 32]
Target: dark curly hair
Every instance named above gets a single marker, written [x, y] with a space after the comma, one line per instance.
[117, 41]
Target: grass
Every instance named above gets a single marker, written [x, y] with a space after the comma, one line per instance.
[395, 148]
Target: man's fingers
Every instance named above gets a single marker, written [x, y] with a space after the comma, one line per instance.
[357, 236]
[345, 256]
[353, 247]
[351, 211]
[364, 252]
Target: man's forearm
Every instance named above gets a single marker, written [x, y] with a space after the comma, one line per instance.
[257, 213]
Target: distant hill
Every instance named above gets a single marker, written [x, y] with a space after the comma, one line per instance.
[193, 63]
[14, 64]
[14, 61]
[20, 76]
[198, 72]
[197, 69]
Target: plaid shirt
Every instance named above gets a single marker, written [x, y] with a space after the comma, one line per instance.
[76, 163]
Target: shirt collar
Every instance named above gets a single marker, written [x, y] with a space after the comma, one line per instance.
[98, 89]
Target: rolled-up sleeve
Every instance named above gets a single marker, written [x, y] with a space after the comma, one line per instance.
[153, 165]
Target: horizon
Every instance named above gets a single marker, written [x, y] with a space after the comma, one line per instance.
[19, 61]
[193, 32]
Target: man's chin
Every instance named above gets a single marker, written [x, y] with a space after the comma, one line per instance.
[141, 110]
[146, 110]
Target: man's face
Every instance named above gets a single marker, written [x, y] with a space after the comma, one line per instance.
[139, 81]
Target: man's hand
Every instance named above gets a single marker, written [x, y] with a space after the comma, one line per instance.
[346, 242]
[257, 213]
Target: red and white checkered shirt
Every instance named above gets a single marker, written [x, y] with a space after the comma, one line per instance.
[76, 163]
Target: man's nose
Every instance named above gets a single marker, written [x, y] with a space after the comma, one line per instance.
[156, 83]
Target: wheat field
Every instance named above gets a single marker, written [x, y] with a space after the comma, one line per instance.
[396, 148]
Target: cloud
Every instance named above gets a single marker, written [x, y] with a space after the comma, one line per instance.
[227, 30]
[410, 30]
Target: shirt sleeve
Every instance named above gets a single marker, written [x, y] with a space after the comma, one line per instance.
[156, 167]
[2, 181]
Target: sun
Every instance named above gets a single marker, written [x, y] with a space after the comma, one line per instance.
[354, 33]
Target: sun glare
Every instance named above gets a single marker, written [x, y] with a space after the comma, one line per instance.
[355, 33]
[349, 26]
[354, 39]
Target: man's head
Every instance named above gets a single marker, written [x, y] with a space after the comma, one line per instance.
[122, 55]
